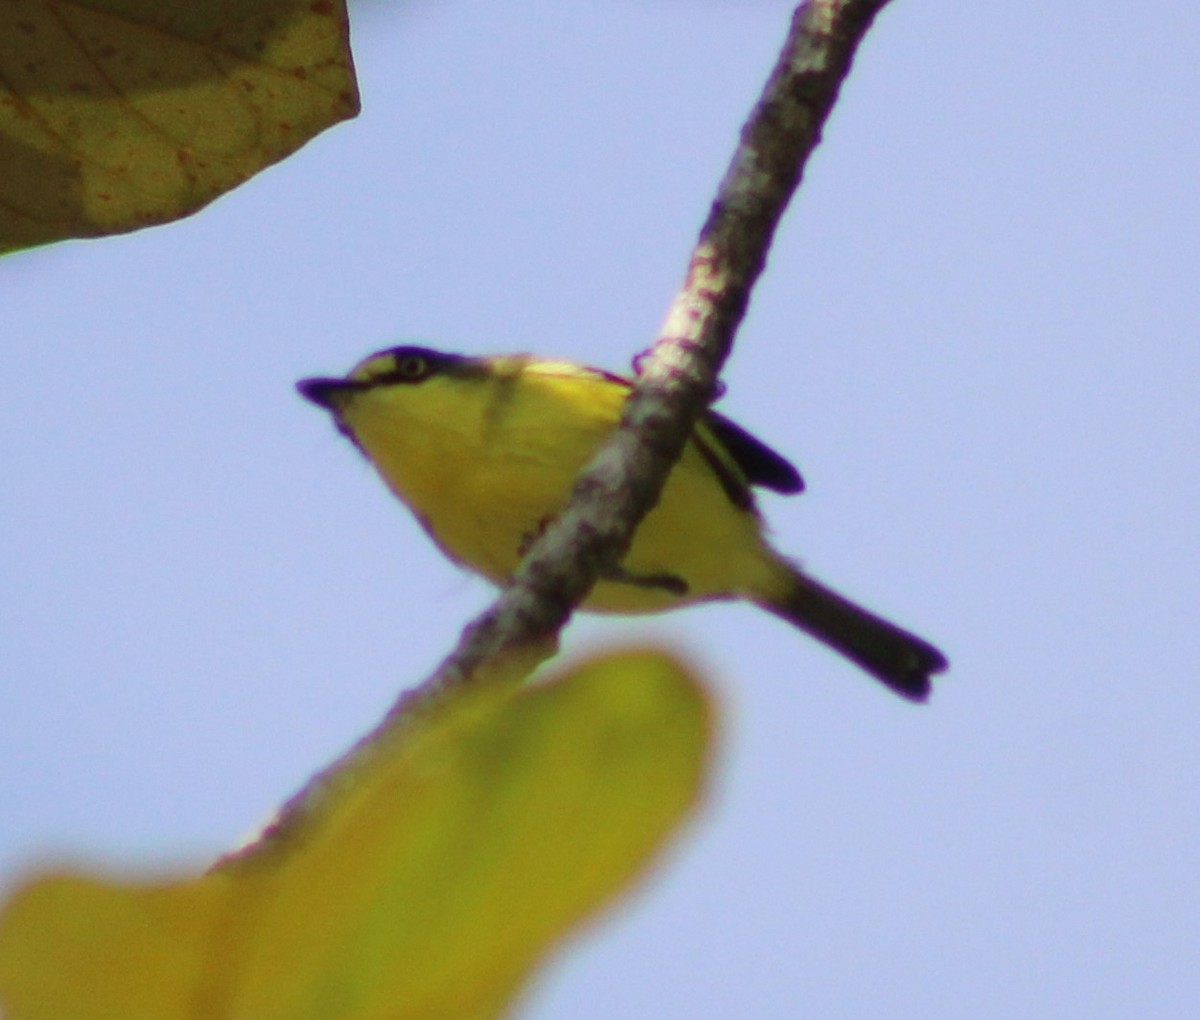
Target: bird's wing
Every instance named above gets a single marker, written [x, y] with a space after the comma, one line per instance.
[759, 463]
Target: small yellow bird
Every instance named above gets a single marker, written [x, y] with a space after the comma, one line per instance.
[484, 451]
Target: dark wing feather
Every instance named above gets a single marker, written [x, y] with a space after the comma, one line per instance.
[759, 463]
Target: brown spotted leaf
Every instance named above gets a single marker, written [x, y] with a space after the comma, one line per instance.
[119, 114]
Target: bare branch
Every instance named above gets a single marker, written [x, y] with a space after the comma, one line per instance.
[676, 383]
[678, 378]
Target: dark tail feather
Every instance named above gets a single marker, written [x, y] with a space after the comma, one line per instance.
[899, 659]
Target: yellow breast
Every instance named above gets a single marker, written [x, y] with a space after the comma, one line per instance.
[486, 461]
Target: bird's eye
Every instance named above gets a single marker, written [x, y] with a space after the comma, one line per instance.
[411, 367]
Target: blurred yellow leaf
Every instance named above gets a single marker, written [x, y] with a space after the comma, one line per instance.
[427, 888]
[119, 114]
[74, 947]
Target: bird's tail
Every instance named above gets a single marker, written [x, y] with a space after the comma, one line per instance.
[902, 661]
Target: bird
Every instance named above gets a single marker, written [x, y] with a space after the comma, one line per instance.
[484, 452]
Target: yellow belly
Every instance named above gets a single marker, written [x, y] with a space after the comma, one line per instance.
[486, 483]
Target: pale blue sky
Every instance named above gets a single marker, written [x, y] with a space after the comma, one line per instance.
[977, 337]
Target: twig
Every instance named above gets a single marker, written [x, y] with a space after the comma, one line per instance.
[677, 379]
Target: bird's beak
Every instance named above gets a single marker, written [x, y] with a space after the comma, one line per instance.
[330, 394]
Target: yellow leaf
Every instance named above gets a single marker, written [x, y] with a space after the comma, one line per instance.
[74, 947]
[119, 114]
[428, 888]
